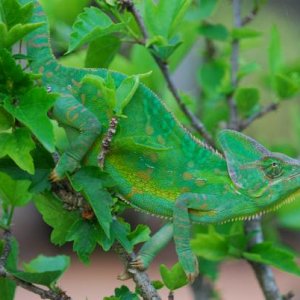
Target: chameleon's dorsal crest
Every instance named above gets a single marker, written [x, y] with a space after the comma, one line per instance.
[243, 156]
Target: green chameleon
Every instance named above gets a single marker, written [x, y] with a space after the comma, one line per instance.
[158, 166]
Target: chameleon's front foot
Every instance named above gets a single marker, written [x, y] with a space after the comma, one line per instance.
[65, 164]
[139, 263]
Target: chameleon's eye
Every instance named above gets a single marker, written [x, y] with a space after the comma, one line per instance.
[273, 169]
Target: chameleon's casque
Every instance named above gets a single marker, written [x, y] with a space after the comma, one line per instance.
[158, 166]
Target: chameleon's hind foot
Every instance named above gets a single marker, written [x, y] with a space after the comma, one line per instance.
[138, 263]
[124, 276]
[190, 266]
[54, 177]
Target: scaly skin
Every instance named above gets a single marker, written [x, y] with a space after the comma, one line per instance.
[158, 166]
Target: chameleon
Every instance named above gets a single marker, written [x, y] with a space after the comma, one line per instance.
[158, 166]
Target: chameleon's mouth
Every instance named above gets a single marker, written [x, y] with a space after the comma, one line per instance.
[273, 208]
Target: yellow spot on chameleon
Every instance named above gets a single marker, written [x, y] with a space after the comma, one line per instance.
[200, 182]
[41, 69]
[153, 157]
[185, 189]
[49, 74]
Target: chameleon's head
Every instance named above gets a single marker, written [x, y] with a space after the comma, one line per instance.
[270, 179]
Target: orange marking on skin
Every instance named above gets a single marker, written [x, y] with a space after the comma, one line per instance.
[76, 83]
[83, 98]
[161, 140]
[153, 157]
[68, 114]
[185, 189]
[41, 69]
[133, 192]
[200, 182]
[187, 176]
[149, 130]
[49, 74]
[145, 175]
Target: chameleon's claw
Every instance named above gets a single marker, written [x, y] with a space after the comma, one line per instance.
[54, 176]
[124, 276]
[138, 263]
[192, 276]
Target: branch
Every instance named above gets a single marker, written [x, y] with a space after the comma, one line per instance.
[263, 273]
[235, 50]
[271, 107]
[140, 278]
[74, 200]
[249, 18]
[195, 122]
[44, 294]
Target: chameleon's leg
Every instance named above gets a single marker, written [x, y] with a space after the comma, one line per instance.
[182, 228]
[68, 111]
[150, 249]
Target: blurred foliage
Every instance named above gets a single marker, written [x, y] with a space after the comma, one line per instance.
[105, 36]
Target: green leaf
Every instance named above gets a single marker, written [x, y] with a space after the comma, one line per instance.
[155, 12]
[289, 215]
[60, 219]
[212, 246]
[285, 86]
[246, 99]
[85, 237]
[216, 32]
[90, 26]
[119, 231]
[123, 293]
[90, 181]
[267, 253]
[18, 31]
[6, 120]
[206, 8]
[31, 109]
[11, 12]
[8, 287]
[102, 51]
[14, 192]
[211, 76]
[12, 78]
[275, 53]
[245, 33]
[18, 145]
[125, 92]
[248, 69]
[140, 234]
[44, 270]
[173, 278]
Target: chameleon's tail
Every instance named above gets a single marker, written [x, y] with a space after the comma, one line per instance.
[38, 43]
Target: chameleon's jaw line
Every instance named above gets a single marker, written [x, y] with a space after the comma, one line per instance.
[273, 208]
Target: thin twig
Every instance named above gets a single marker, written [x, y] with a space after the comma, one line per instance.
[44, 294]
[271, 107]
[171, 295]
[141, 278]
[195, 122]
[253, 228]
[7, 236]
[235, 49]
[249, 18]
[263, 273]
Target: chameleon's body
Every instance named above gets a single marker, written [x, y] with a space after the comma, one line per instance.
[157, 165]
